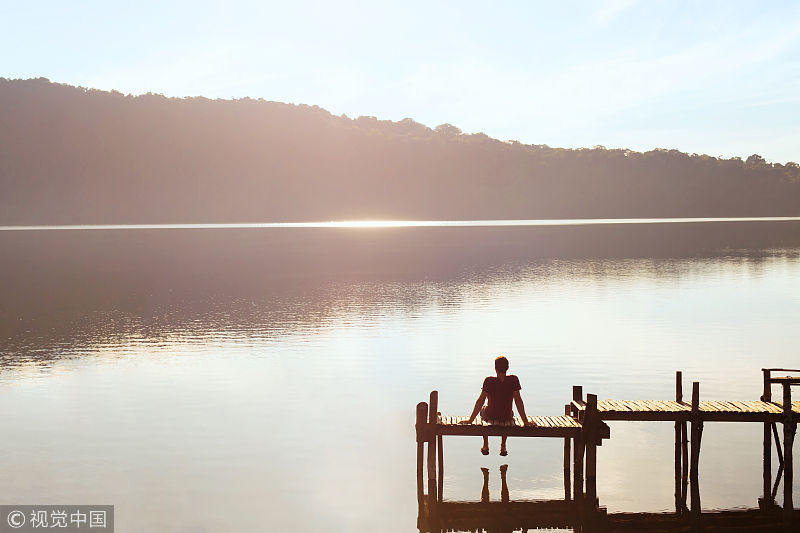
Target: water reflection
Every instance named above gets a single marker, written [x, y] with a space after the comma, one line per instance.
[503, 516]
[507, 516]
[485, 497]
[175, 372]
[63, 293]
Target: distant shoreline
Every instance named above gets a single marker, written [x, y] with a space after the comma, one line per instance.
[377, 224]
[75, 156]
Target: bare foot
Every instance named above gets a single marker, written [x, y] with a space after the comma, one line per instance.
[485, 450]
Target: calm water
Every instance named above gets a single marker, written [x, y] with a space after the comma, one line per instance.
[243, 379]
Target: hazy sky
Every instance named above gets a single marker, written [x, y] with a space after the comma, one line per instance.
[721, 78]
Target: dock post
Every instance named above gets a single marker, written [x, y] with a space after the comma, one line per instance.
[685, 463]
[590, 439]
[766, 500]
[788, 441]
[678, 447]
[567, 459]
[577, 454]
[577, 396]
[440, 450]
[433, 414]
[422, 420]
[697, 432]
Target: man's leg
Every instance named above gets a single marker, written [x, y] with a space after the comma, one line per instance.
[503, 450]
[503, 483]
[485, 489]
[485, 449]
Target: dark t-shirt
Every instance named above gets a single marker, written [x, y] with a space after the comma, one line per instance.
[501, 396]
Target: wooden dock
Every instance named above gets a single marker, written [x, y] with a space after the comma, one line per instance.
[710, 411]
[583, 427]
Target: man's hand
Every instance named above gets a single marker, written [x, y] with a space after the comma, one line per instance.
[528, 422]
[465, 422]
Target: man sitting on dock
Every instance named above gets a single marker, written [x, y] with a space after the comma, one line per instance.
[500, 390]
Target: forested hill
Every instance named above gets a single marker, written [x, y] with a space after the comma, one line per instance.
[71, 155]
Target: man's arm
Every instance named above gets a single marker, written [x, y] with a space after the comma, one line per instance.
[521, 408]
[477, 409]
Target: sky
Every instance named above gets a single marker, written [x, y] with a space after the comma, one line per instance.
[715, 77]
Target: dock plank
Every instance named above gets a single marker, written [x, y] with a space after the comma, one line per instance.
[543, 426]
[712, 410]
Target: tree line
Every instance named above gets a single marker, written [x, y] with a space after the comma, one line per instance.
[75, 155]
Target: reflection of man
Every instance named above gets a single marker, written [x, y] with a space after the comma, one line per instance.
[503, 485]
[500, 390]
[502, 523]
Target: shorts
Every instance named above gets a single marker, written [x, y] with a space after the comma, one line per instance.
[495, 420]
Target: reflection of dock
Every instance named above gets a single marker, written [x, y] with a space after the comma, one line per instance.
[499, 517]
[583, 428]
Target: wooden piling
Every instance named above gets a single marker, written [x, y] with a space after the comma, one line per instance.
[567, 459]
[678, 447]
[779, 474]
[788, 441]
[440, 449]
[577, 454]
[697, 430]
[422, 419]
[432, 416]
[590, 424]
[767, 500]
[685, 466]
[577, 471]
[577, 393]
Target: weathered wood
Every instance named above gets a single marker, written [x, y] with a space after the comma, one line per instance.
[577, 470]
[685, 466]
[577, 393]
[422, 418]
[493, 430]
[577, 401]
[440, 449]
[694, 466]
[717, 411]
[678, 456]
[433, 413]
[577, 448]
[791, 380]
[604, 432]
[590, 439]
[779, 474]
[777, 444]
[567, 459]
[766, 460]
[788, 469]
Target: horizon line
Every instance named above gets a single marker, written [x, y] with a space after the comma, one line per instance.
[377, 224]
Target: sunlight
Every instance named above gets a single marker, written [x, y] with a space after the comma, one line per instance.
[375, 223]
[371, 224]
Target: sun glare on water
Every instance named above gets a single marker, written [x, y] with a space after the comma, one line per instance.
[377, 223]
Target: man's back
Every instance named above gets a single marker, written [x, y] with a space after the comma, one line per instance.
[500, 393]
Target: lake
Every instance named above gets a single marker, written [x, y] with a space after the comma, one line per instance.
[265, 378]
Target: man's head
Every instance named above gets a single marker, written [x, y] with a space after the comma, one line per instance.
[501, 365]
